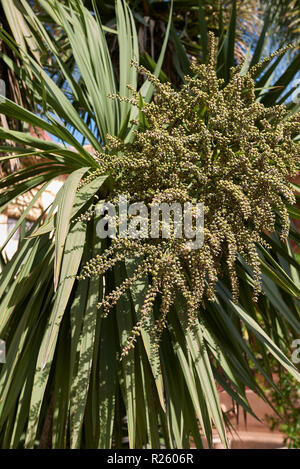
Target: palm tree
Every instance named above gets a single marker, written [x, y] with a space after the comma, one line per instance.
[63, 384]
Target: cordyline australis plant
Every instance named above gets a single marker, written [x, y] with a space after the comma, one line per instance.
[206, 143]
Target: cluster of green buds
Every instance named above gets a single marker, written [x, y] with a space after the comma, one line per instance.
[208, 143]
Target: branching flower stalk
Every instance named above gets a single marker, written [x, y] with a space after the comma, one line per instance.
[207, 143]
